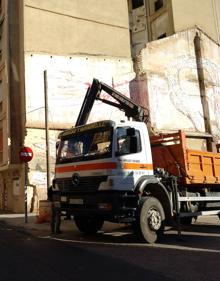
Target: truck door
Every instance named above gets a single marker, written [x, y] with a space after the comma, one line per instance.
[130, 157]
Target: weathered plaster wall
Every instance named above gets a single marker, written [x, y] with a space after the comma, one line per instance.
[203, 13]
[173, 89]
[37, 176]
[68, 80]
[74, 27]
[12, 113]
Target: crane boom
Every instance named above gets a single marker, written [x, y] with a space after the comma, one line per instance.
[130, 108]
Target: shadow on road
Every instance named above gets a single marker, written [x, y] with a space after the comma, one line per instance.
[203, 235]
[194, 237]
[49, 260]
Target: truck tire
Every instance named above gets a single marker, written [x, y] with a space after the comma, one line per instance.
[152, 219]
[88, 225]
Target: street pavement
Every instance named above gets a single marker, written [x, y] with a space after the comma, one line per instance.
[29, 251]
[201, 235]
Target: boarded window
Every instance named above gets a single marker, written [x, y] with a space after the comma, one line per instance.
[162, 36]
[137, 3]
[158, 4]
[160, 26]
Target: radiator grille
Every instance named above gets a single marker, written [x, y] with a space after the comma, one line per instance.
[86, 184]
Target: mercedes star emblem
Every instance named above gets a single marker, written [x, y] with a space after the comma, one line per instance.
[75, 179]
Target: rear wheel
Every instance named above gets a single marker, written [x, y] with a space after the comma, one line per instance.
[88, 225]
[152, 219]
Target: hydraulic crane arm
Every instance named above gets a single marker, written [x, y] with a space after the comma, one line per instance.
[131, 109]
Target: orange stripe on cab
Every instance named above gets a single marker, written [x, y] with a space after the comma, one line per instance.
[137, 166]
[86, 167]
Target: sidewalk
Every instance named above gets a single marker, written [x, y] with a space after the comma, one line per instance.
[68, 227]
[70, 231]
[32, 226]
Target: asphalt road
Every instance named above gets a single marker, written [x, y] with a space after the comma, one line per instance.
[114, 254]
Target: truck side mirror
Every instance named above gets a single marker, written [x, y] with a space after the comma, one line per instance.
[57, 146]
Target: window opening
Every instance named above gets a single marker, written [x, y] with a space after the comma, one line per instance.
[162, 36]
[137, 3]
[158, 4]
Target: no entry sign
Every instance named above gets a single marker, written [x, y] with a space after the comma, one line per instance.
[26, 154]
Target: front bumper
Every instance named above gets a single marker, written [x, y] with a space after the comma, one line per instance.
[111, 205]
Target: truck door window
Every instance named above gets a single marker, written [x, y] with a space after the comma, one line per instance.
[124, 141]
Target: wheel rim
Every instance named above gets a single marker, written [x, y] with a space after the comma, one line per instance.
[154, 219]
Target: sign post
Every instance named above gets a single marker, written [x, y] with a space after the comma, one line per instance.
[26, 155]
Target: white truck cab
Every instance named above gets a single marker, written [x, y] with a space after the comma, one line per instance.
[119, 152]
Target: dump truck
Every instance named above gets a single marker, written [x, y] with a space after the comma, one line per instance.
[114, 171]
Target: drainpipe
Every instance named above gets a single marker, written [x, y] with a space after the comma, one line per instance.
[202, 89]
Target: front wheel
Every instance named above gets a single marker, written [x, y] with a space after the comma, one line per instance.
[152, 219]
[88, 225]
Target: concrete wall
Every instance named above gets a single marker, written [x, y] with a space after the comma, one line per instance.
[4, 86]
[68, 80]
[203, 13]
[16, 80]
[12, 112]
[74, 27]
[173, 88]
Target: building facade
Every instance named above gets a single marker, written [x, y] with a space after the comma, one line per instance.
[73, 45]
[155, 19]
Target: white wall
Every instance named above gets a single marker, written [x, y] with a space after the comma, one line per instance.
[202, 13]
[173, 84]
[68, 80]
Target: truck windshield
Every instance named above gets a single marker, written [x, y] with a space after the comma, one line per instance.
[92, 144]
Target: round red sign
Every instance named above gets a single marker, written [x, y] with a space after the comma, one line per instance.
[26, 154]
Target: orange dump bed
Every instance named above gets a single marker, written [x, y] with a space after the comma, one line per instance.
[169, 151]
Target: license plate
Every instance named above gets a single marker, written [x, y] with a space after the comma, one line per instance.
[76, 201]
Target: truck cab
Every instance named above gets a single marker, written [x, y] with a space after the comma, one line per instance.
[99, 166]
